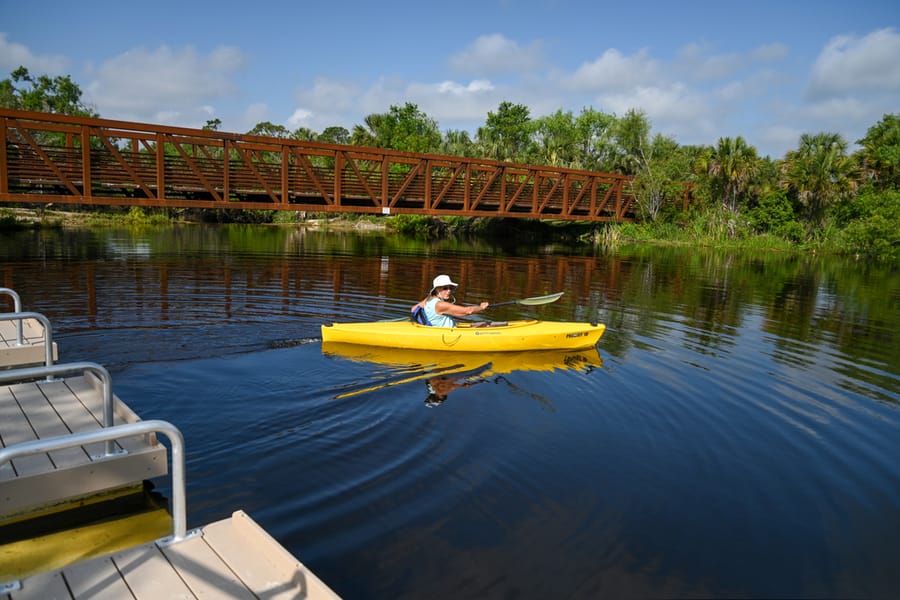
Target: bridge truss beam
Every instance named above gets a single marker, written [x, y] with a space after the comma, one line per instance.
[74, 160]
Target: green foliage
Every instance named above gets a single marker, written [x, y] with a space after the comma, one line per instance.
[659, 183]
[774, 213]
[419, 226]
[136, 217]
[10, 222]
[595, 145]
[333, 135]
[267, 129]
[403, 128]
[874, 229]
[43, 93]
[731, 167]
[458, 143]
[881, 151]
[632, 138]
[555, 141]
[506, 134]
[819, 173]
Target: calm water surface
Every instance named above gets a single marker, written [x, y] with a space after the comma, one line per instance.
[735, 433]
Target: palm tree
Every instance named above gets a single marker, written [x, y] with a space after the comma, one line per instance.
[457, 142]
[733, 165]
[819, 172]
[369, 134]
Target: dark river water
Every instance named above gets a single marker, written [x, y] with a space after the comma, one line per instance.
[736, 433]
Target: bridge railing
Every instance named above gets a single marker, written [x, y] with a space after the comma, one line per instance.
[76, 160]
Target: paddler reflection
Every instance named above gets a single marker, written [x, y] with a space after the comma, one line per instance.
[439, 387]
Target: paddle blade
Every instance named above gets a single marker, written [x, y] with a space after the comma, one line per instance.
[538, 300]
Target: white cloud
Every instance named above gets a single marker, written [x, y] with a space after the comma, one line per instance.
[770, 52]
[854, 65]
[254, 114]
[299, 118]
[329, 95]
[164, 85]
[674, 106]
[13, 56]
[614, 71]
[495, 53]
[448, 101]
[695, 61]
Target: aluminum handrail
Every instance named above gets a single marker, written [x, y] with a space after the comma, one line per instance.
[48, 334]
[179, 502]
[17, 307]
[51, 371]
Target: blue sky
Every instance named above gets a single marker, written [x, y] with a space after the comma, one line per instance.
[765, 70]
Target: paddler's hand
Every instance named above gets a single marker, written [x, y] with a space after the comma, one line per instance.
[480, 308]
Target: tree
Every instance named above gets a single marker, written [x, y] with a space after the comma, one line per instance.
[506, 133]
[411, 130]
[594, 145]
[457, 143]
[880, 152]
[555, 140]
[59, 95]
[733, 165]
[660, 178]
[819, 173]
[632, 138]
[368, 134]
[334, 135]
[401, 128]
[267, 129]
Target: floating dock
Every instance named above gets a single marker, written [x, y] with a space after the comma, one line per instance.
[67, 442]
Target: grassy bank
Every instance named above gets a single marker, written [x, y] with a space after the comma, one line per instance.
[713, 228]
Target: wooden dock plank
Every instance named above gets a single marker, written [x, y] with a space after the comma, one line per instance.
[34, 483]
[263, 565]
[31, 352]
[232, 559]
[147, 573]
[89, 392]
[46, 422]
[71, 408]
[204, 572]
[15, 429]
[96, 579]
[45, 586]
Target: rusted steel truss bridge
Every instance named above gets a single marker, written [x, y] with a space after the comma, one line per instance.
[50, 158]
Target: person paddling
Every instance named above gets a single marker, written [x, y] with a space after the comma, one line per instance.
[439, 309]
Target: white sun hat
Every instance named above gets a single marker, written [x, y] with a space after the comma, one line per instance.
[441, 281]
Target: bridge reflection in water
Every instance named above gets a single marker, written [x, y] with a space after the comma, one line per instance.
[302, 281]
[75, 160]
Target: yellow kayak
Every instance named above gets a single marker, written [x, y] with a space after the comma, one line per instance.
[512, 336]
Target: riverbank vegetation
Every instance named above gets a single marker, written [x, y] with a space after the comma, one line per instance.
[820, 196]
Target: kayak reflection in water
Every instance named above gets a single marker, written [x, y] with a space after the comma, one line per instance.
[438, 310]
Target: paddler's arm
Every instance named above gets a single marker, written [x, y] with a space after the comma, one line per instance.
[455, 310]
